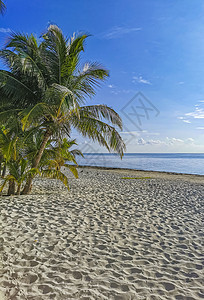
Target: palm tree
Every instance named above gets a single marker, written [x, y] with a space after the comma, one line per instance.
[47, 85]
[19, 148]
[11, 147]
[2, 7]
[56, 155]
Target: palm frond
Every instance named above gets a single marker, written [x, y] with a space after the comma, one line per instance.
[27, 57]
[76, 152]
[14, 89]
[74, 48]
[23, 42]
[102, 111]
[73, 169]
[31, 68]
[7, 114]
[11, 60]
[32, 115]
[8, 144]
[84, 84]
[7, 178]
[99, 131]
[55, 174]
[55, 50]
[66, 97]
[2, 7]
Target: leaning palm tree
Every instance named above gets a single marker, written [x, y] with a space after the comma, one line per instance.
[49, 87]
[2, 7]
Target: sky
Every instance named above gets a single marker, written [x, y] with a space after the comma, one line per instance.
[154, 51]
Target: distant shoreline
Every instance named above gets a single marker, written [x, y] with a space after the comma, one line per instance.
[191, 178]
[96, 153]
[173, 163]
[138, 170]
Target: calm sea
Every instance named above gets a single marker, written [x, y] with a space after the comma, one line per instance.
[190, 163]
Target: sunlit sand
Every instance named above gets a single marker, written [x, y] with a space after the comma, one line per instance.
[108, 238]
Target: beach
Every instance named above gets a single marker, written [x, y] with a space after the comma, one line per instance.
[107, 238]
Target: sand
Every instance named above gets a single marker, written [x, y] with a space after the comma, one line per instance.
[108, 238]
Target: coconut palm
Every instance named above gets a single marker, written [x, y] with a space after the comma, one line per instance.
[48, 86]
[11, 147]
[2, 7]
[18, 151]
[19, 171]
[57, 155]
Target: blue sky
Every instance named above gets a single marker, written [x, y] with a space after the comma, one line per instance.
[155, 47]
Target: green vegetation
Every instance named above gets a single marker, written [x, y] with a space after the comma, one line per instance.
[136, 178]
[42, 97]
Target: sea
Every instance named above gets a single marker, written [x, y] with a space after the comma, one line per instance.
[189, 163]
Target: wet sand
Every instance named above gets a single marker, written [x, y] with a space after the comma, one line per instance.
[108, 238]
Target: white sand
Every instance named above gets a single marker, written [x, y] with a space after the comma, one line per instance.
[107, 238]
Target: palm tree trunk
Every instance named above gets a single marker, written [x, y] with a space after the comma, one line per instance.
[18, 189]
[28, 185]
[4, 171]
[1, 160]
[11, 188]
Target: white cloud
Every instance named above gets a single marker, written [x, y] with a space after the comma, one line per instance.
[191, 140]
[140, 79]
[115, 90]
[174, 140]
[5, 30]
[183, 119]
[186, 121]
[141, 141]
[200, 128]
[118, 31]
[166, 142]
[181, 82]
[197, 114]
[155, 142]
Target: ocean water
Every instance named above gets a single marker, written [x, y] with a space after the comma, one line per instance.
[190, 163]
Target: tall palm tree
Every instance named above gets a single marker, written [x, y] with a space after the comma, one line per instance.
[48, 86]
[2, 7]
